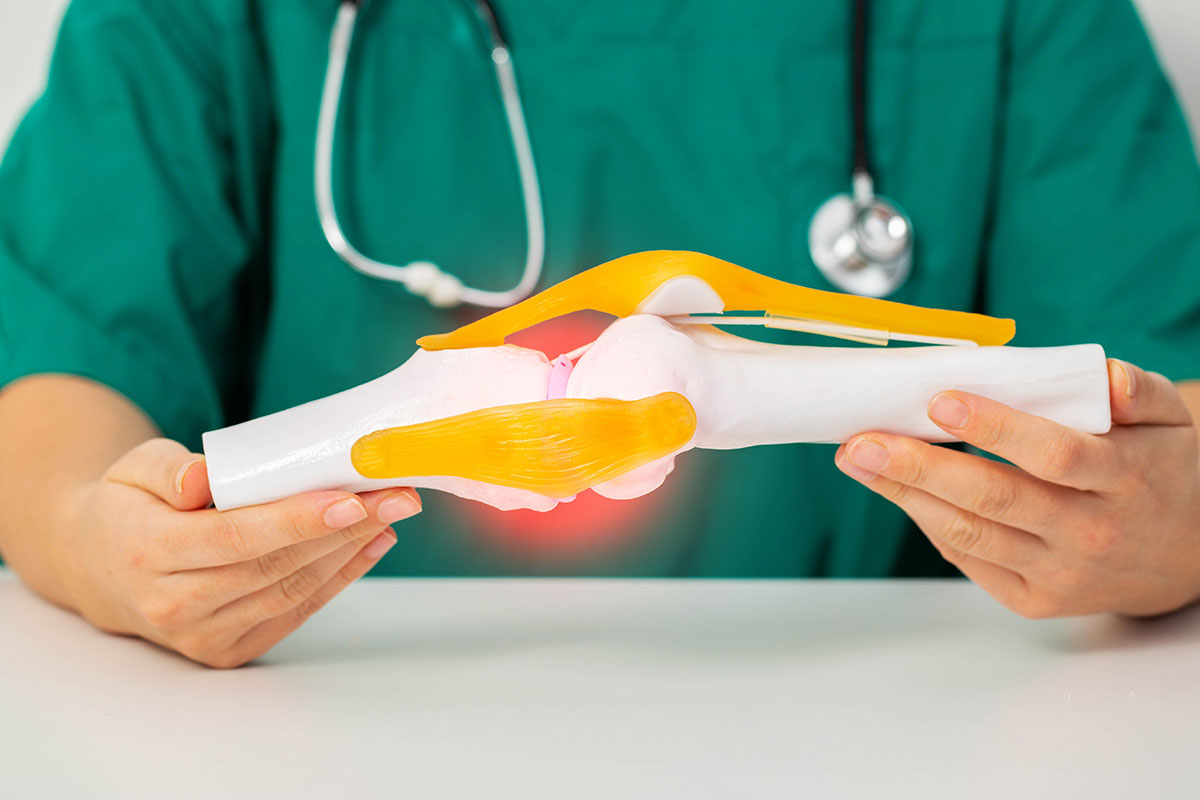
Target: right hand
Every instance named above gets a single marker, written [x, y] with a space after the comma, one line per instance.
[145, 555]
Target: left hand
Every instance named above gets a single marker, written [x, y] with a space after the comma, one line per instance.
[1082, 523]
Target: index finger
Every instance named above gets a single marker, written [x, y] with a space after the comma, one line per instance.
[212, 538]
[1043, 448]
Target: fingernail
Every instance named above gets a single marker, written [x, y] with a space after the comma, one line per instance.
[345, 513]
[181, 476]
[379, 545]
[1130, 381]
[869, 455]
[948, 411]
[401, 505]
[854, 472]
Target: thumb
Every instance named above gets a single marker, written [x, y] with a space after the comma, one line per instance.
[167, 470]
[1139, 397]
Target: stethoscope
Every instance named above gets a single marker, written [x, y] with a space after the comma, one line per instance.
[424, 278]
[862, 243]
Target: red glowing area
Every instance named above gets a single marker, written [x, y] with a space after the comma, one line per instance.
[589, 523]
[564, 334]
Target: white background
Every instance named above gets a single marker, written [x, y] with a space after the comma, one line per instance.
[27, 32]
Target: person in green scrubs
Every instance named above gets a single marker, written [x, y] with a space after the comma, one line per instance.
[163, 273]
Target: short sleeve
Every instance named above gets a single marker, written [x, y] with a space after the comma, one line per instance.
[1095, 230]
[130, 209]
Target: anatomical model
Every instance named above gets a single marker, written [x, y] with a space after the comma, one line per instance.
[506, 426]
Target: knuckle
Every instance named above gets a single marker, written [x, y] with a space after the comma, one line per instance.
[163, 612]
[322, 595]
[964, 532]
[897, 492]
[204, 595]
[990, 430]
[233, 541]
[356, 533]
[1100, 538]
[995, 499]
[159, 445]
[1154, 389]
[296, 526]
[1062, 457]
[1137, 482]
[911, 467]
[296, 589]
[1069, 581]
[154, 454]
[120, 469]
[310, 606]
[138, 557]
[954, 558]
[278, 564]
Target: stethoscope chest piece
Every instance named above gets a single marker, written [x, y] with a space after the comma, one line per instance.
[862, 244]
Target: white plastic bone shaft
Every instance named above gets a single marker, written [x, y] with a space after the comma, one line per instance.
[748, 393]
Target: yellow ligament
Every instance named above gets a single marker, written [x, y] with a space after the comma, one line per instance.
[619, 286]
[555, 448]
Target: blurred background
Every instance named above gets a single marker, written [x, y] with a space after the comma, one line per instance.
[27, 33]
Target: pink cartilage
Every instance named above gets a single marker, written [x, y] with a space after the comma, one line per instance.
[556, 389]
[560, 372]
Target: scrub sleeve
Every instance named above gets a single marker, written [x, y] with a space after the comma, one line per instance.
[1096, 228]
[130, 211]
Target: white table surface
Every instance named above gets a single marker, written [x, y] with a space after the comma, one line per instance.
[582, 689]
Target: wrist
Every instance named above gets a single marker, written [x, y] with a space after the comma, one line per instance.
[64, 558]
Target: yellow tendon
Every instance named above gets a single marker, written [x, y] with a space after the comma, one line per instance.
[619, 286]
[555, 448]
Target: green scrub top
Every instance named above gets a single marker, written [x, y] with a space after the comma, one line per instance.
[158, 230]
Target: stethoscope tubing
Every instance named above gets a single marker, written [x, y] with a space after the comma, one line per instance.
[424, 278]
[833, 229]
